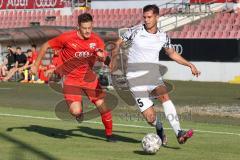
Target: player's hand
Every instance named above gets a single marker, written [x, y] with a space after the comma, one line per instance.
[48, 73]
[20, 70]
[194, 70]
[113, 66]
[34, 69]
[100, 53]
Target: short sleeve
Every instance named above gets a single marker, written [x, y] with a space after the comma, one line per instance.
[100, 43]
[57, 43]
[167, 43]
[127, 35]
[131, 33]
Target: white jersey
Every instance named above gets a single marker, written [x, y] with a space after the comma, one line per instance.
[145, 47]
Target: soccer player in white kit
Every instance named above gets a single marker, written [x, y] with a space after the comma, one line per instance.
[143, 75]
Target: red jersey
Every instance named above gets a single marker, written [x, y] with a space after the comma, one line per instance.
[56, 61]
[34, 55]
[77, 55]
[32, 58]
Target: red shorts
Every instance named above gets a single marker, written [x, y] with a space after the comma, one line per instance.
[74, 89]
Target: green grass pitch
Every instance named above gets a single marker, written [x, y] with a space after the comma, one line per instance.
[30, 130]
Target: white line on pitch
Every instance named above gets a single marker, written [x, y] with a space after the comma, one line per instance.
[115, 124]
[5, 88]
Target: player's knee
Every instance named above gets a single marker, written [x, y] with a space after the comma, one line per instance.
[151, 118]
[99, 102]
[164, 98]
[75, 109]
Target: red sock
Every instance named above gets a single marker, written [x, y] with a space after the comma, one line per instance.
[107, 121]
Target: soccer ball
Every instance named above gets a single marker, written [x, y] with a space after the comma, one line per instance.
[151, 143]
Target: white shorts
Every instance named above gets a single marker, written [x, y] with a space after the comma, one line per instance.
[142, 83]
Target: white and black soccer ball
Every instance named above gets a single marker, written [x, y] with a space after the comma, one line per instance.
[151, 143]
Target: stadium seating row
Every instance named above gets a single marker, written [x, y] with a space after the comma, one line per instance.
[222, 25]
[103, 18]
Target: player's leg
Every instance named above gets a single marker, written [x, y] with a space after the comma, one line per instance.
[75, 109]
[4, 71]
[106, 116]
[25, 73]
[1, 71]
[146, 107]
[171, 114]
[96, 95]
[10, 74]
[139, 88]
[73, 98]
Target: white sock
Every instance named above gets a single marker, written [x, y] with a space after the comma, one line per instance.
[171, 115]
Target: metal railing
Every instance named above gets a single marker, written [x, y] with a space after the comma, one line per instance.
[190, 12]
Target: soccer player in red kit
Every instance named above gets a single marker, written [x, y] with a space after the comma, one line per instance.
[79, 50]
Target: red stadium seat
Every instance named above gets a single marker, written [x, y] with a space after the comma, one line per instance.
[57, 13]
[193, 28]
[175, 34]
[199, 29]
[224, 21]
[216, 21]
[106, 12]
[210, 34]
[182, 34]
[236, 27]
[233, 34]
[221, 27]
[225, 34]
[218, 34]
[207, 28]
[40, 13]
[233, 16]
[100, 11]
[237, 21]
[116, 11]
[209, 22]
[226, 15]
[229, 27]
[203, 34]
[139, 11]
[186, 28]
[170, 33]
[202, 22]
[189, 34]
[238, 35]
[219, 15]
[196, 34]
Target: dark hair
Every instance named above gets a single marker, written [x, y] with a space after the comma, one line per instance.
[34, 46]
[29, 50]
[151, 7]
[9, 46]
[18, 48]
[85, 17]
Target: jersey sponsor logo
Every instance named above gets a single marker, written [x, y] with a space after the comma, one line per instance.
[178, 48]
[74, 45]
[46, 3]
[92, 45]
[83, 54]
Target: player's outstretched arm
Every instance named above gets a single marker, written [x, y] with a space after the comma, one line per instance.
[179, 59]
[41, 54]
[115, 52]
[101, 55]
